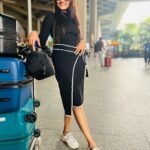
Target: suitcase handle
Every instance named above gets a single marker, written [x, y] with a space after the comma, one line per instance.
[4, 99]
[16, 84]
[4, 71]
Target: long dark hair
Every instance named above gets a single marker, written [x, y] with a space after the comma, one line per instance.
[61, 19]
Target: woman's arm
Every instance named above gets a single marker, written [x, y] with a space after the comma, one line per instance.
[46, 29]
[44, 33]
[33, 37]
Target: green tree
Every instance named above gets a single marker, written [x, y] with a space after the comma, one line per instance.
[130, 34]
[144, 31]
[133, 36]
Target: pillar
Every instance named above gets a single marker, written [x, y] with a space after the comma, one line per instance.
[81, 11]
[38, 25]
[99, 30]
[29, 16]
[93, 21]
[1, 6]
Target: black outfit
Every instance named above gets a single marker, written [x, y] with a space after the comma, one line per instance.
[69, 68]
[147, 53]
[98, 46]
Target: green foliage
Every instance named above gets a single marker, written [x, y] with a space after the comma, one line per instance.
[133, 35]
[144, 30]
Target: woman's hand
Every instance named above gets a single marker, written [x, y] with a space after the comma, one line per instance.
[33, 37]
[80, 49]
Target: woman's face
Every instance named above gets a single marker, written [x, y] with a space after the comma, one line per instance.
[63, 4]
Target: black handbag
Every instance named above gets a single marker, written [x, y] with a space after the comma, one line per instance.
[39, 65]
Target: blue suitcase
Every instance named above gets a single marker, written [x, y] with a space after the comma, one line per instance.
[19, 124]
[13, 97]
[12, 70]
[15, 84]
[21, 144]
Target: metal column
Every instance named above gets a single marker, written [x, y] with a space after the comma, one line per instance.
[99, 33]
[38, 25]
[93, 22]
[29, 17]
[1, 6]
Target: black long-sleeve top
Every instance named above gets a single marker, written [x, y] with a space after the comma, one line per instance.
[71, 37]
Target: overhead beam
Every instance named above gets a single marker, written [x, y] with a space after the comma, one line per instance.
[18, 17]
[120, 10]
[16, 8]
[35, 5]
[43, 7]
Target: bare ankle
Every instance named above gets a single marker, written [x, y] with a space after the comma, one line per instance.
[65, 132]
[91, 145]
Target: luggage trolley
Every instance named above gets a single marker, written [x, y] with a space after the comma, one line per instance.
[35, 142]
[17, 107]
[17, 103]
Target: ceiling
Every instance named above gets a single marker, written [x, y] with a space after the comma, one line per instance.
[18, 9]
[106, 10]
[110, 13]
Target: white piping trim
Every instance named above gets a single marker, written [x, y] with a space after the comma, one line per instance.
[72, 83]
[68, 115]
[58, 49]
[66, 45]
[78, 106]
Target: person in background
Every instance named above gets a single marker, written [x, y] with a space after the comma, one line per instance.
[147, 53]
[98, 51]
[67, 56]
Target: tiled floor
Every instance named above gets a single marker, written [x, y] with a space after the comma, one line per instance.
[117, 105]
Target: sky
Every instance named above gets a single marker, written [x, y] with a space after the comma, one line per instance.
[135, 13]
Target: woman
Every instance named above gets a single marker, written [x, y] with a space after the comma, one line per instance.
[69, 65]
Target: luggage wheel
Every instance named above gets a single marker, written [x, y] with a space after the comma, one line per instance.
[36, 103]
[35, 143]
[31, 117]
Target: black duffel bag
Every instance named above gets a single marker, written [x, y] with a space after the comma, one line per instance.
[39, 65]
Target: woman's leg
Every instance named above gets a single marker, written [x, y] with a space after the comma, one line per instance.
[83, 124]
[145, 59]
[67, 124]
[67, 136]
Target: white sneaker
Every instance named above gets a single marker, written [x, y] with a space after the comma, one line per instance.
[70, 140]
